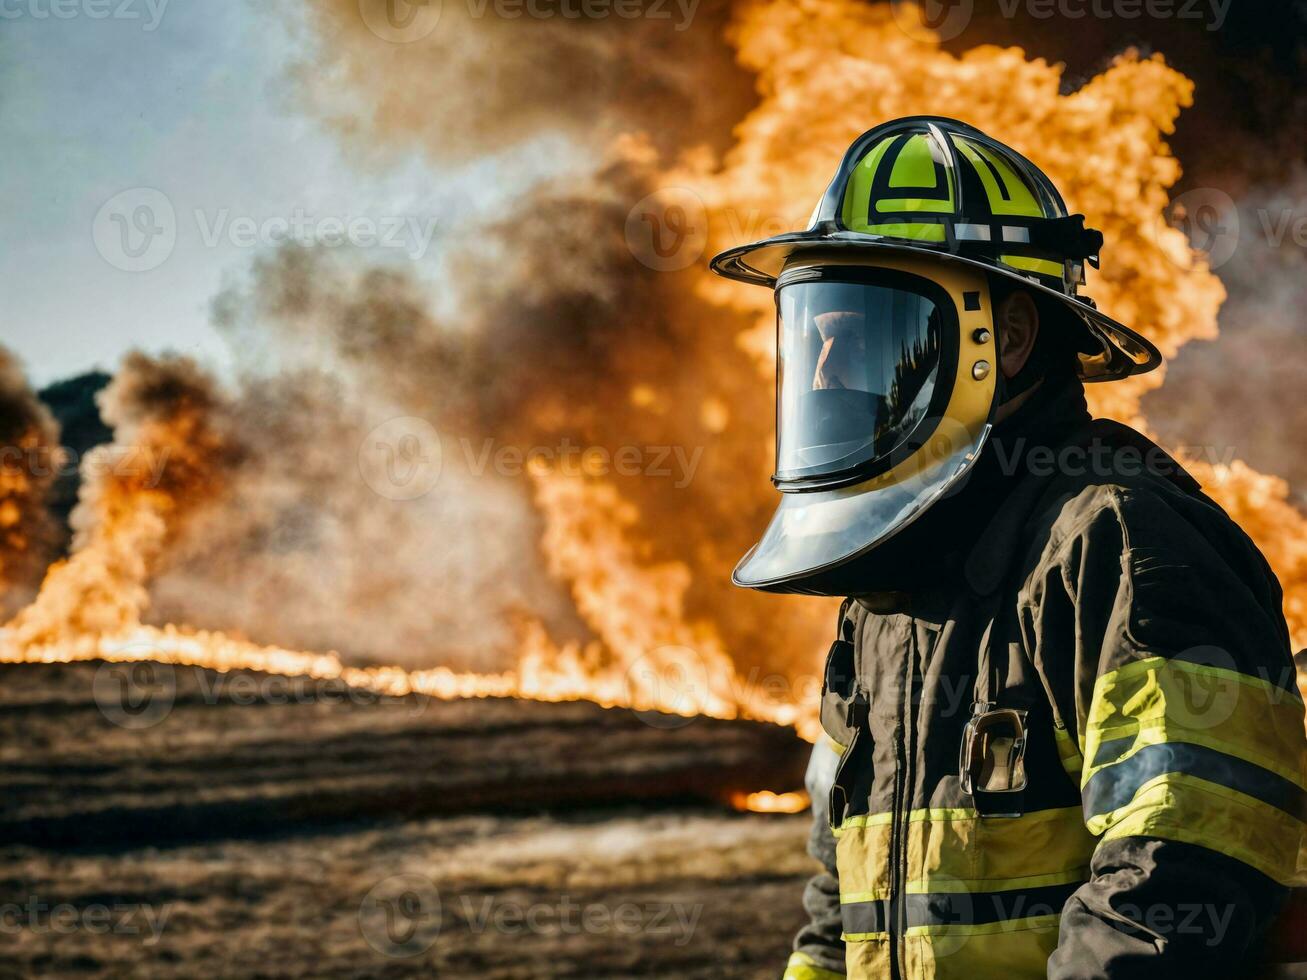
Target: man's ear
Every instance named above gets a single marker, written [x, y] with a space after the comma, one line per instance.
[1017, 319]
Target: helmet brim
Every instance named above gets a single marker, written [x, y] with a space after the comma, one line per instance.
[1125, 353]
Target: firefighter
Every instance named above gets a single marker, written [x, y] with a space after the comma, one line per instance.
[1064, 732]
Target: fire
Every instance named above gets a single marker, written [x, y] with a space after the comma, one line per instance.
[769, 802]
[1103, 145]
[31, 458]
[645, 574]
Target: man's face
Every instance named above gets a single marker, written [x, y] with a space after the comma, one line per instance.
[842, 362]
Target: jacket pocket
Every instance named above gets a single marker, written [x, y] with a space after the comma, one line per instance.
[852, 786]
[838, 685]
[844, 709]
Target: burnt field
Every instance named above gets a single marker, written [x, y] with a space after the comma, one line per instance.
[176, 822]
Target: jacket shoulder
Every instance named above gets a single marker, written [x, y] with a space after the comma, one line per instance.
[1161, 560]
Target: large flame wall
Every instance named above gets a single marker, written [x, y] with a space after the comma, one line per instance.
[550, 327]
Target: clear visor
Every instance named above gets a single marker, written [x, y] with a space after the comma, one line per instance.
[859, 364]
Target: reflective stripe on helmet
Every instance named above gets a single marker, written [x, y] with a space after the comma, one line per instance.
[902, 177]
[1042, 267]
[1006, 191]
[914, 187]
[922, 180]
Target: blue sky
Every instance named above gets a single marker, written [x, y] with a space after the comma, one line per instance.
[196, 111]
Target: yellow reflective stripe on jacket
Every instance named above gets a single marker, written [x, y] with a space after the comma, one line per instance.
[914, 816]
[1199, 754]
[803, 967]
[956, 849]
[1158, 700]
[1185, 808]
[981, 953]
[959, 912]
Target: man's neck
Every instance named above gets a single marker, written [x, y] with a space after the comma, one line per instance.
[1005, 410]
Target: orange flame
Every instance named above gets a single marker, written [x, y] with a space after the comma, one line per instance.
[769, 802]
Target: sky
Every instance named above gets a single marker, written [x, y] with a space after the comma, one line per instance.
[150, 157]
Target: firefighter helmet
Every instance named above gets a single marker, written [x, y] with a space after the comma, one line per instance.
[886, 342]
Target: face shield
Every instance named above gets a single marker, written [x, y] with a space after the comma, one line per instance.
[859, 357]
[885, 393]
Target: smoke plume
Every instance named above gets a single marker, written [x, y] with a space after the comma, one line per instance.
[30, 440]
[587, 413]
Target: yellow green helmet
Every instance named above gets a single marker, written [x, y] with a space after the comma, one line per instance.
[927, 184]
[887, 338]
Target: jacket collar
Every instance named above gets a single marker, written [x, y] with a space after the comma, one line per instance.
[991, 557]
[1054, 418]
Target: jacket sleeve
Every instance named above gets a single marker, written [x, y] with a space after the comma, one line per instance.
[818, 949]
[1182, 705]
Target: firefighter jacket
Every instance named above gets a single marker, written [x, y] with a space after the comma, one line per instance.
[1141, 633]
